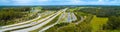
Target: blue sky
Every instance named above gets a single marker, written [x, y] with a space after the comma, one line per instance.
[59, 2]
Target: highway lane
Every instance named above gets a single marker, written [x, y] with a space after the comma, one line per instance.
[26, 25]
[30, 24]
[45, 28]
[39, 25]
[20, 23]
[42, 30]
[39, 16]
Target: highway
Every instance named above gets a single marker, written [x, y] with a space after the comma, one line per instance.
[20, 23]
[8, 26]
[27, 25]
[32, 25]
[69, 20]
[39, 25]
[42, 30]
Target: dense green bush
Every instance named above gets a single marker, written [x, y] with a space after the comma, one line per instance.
[7, 15]
[113, 23]
[102, 11]
[10, 13]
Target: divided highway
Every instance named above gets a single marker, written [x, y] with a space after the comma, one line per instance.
[39, 22]
[42, 30]
[39, 25]
[13, 25]
[31, 26]
[27, 25]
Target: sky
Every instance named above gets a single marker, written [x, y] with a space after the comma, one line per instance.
[58, 2]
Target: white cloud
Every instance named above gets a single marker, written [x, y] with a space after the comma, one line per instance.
[22, 1]
[42, 0]
[75, 1]
[100, 0]
[59, 2]
[28, 2]
[4, 1]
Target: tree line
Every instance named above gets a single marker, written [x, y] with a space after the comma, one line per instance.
[11, 13]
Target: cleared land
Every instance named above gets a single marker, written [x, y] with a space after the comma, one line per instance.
[97, 23]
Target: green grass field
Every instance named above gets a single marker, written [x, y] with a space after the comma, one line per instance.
[97, 23]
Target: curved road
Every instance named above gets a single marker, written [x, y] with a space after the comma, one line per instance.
[42, 30]
[48, 19]
[39, 25]
[8, 26]
[27, 25]
[21, 23]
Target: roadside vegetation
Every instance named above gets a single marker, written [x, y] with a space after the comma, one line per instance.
[14, 15]
[8, 14]
[106, 19]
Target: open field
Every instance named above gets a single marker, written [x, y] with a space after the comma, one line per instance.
[97, 23]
